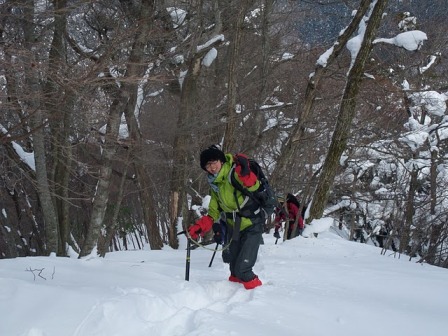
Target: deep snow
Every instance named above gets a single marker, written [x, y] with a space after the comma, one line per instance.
[312, 286]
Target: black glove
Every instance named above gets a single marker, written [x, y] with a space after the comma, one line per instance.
[242, 161]
[217, 230]
[261, 195]
[276, 234]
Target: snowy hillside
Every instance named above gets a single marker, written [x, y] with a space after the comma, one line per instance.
[314, 286]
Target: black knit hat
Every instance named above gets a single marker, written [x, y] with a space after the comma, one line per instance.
[213, 153]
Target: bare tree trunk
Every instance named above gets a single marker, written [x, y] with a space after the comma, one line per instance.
[125, 99]
[136, 70]
[111, 226]
[257, 125]
[232, 80]
[346, 114]
[266, 46]
[292, 144]
[405, 232]
[59, 103]
[435, 228]
[433, 181]
[149, 213]
[37, 122]
[61, 188]
[182, 142]
[105, 171]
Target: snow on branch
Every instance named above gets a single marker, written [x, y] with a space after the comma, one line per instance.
[207, 44]
[344, 203]
[410, 40]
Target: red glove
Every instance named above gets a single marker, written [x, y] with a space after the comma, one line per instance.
[201, 226]
[246, 176]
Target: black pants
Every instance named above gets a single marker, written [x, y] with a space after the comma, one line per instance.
[243, 253]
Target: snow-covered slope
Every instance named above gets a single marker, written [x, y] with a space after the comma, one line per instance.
[314, 286]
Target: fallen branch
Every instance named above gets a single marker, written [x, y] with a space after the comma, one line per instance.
[38, 274]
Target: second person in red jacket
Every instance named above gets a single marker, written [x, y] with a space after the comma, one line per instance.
[290, 214]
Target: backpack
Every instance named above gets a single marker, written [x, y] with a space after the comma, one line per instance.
[290, 198]
[265, 195]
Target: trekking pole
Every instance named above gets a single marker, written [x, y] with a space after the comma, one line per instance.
[213, 256]
[277, 238]
[187, 264]
[187, 261]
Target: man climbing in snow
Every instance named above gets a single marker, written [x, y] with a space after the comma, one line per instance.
[244, 218]
[290, 214]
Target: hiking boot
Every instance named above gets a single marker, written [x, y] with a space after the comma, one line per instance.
[233, 278]
[255, 282]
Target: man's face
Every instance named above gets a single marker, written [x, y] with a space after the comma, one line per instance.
[213, 167]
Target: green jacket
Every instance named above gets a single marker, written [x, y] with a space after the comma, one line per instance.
[224, 199]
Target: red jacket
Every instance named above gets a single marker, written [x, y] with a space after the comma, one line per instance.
[293, 212]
